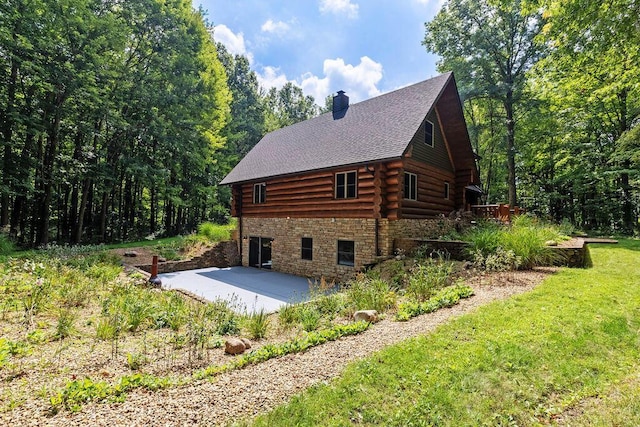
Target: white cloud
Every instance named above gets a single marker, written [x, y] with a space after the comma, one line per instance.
[339, 7]
[233, 42]
[278, 28]
[359, 81]
[271, 77]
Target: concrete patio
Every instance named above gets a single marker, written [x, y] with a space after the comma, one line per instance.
[250, 289]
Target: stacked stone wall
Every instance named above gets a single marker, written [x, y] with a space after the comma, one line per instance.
[286, 248]
[222, 255]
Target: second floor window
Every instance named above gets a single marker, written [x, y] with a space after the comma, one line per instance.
[428, 133]
[259, 193]
[346, 184]
[410, 186]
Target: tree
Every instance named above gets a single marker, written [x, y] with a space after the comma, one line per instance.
[287, 106]
[595, 63]
[490, 45]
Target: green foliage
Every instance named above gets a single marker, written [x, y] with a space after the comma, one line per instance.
[78, 392]
[136, 360]
[6, 245]
[520, 245]
[447, 297]
[364, 293]
[258, 324]
[214, 232]
[65, 324]
[427, 277]
[288, 314]
[309, 317]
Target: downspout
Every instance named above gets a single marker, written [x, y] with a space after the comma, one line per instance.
[377, 237]
[240, 237]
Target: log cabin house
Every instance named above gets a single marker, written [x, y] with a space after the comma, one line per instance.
[328, 196]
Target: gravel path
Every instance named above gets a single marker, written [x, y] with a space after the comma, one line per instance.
[259, 388]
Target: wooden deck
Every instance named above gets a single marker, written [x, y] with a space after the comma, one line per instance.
[501, 212]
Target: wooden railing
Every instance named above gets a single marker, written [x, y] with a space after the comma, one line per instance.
[500, 212]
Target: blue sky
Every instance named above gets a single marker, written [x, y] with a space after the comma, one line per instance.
[364, 47]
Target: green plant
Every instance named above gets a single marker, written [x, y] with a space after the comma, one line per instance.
[107, 328]
[446, 297]
[136, 360]
[309, 317]
[65, 325]
[214, 232]
[258, 324]
[499, 260]
[364, 293]
[6, 245]
[288, 314]
[224, 317]
[427, 277]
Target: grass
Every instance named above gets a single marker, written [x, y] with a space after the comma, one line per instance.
[525, 238]
[569, 349]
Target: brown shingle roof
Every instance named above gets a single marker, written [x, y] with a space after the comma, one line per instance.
[377, 129]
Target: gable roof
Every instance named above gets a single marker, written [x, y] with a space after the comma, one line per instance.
[377, 129]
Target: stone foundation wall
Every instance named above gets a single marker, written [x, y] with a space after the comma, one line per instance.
[222, 255]
[286, 248]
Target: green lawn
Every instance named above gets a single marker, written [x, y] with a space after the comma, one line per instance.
[569, 350]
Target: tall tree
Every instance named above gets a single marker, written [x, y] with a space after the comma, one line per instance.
[287, 106]
[595, 64]
[490, 45]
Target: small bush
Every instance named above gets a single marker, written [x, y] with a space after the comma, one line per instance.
[107, 328]
[6, 245]
[288, 315]
[225, 319]
[428, 277]
[309, 317]
[214, 232]
[364, 293]
[500, 260]
[258, 324]
[65, 325]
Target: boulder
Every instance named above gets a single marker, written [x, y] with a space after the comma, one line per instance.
[234, 346]
[551, 243]
[246, 342]
[370, 316]
[131, 254]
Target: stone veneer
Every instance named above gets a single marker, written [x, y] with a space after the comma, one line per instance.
[287, 234]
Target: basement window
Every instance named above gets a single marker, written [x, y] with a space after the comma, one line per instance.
[307, 248]
[259, 193]
[428, 133]
[346, 252]
[410, 186]
[346, 184]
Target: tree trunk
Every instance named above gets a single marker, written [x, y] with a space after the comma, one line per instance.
[511, 150]
[8, 168]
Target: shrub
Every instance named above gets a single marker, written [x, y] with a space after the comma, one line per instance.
[65, 325]
[225, 319]
[258, 324]
[288, 314]
[6, 245]
[500, 260]
[365, 293]
[427, 277]
[214, 232]
[309, 317]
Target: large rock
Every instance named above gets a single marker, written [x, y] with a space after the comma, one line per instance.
[234, 346]
[246, 342]
[370, 316]
[131, 254]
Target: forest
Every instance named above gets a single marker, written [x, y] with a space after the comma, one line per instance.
[119, 119]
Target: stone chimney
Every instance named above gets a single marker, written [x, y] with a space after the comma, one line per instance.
[340, 104]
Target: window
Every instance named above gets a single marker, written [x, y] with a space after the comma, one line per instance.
[259, 193]
[346, 185]
[446, 190]
[428, 133]
[346, 252]
[307, 248]
[410, 186]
